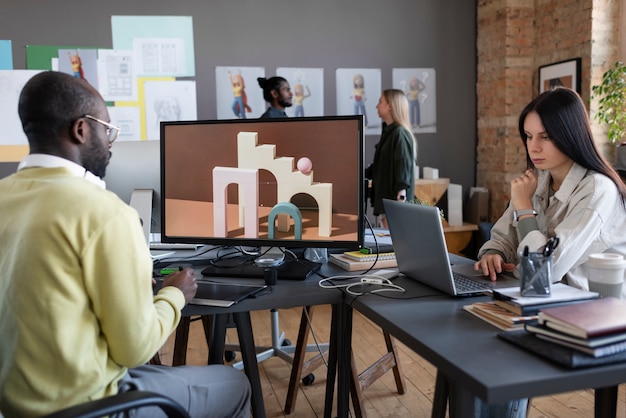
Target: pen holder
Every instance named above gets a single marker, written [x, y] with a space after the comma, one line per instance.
[535, 274]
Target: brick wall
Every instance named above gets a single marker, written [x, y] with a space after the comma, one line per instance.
[515, 38]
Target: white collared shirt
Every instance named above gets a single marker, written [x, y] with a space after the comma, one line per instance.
[586, 213]
[52, 161]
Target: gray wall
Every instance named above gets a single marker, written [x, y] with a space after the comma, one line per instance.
[331, 34]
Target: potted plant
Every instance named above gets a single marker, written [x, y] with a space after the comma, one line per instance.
[611, 95]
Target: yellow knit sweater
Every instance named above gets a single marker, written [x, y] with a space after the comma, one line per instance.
[76, 301]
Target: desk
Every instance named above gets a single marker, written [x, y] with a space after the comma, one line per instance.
[286, 294]
[469, 357]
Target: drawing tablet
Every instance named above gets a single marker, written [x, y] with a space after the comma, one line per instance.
[224, 294]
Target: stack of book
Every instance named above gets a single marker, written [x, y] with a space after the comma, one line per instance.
[509, 310]
[595, 327]
[560, 295]
[498, 316]
[357, 260]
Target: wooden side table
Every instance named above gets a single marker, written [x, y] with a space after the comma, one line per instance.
[458, 237]
[430, 190]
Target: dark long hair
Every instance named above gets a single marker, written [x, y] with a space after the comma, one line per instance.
[564, 117]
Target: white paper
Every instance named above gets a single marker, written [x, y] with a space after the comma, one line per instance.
[168, 101]
[159, 56]
[11, 84]
[118, 79]
[128, 119]
[558, 292]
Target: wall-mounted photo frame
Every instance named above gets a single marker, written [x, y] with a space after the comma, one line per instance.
[564, 73]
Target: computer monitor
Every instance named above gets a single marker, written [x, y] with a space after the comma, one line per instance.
[135, 168]
[293, 182]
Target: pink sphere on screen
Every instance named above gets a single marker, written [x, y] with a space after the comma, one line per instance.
[304, 165]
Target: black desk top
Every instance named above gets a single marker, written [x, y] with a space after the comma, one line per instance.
[467, 350]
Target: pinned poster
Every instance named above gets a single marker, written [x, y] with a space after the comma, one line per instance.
[117, 73]
[11, 84]
[6, 55]
[161, 45]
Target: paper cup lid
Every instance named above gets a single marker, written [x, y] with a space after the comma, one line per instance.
[606, 260]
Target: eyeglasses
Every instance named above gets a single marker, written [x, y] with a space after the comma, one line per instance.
[112, 130]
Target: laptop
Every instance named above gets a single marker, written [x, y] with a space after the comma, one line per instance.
[421, 252]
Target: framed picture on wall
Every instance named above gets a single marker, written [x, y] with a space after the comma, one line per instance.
[564, 73]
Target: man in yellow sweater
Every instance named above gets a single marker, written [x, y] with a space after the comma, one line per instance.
[78, 318]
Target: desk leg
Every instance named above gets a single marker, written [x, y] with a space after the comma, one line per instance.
[332, 363]
[248, 354]
[218, 339]
[606, 402]
[339, 360]
[440, 400]
[461, 401]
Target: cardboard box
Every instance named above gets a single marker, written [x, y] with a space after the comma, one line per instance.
[477, 208]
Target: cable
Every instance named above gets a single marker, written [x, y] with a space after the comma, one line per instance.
[386, 286]
[315, 340]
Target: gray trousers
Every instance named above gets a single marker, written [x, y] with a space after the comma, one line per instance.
[205, 391]
[513, 409]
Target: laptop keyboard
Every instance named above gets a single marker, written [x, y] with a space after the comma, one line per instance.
[465, 284]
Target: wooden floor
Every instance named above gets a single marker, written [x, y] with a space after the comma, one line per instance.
[382, 399]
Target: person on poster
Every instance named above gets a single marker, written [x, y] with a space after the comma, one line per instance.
[276, 92]
[77, 65]
[240, 101]
[298, 97]
[358, 95]
[413, 94]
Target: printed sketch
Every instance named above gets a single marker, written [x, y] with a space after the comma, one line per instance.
[81, 63]
[238, 94]
[118, 79]
[168, 101]
[11, 84]
[240, 101]
[307, 85]
[419, 86]
[358, 91]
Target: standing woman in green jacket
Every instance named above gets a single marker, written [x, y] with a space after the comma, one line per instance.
[392, 172]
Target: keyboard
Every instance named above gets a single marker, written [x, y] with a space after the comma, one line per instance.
[465, 284]
[175, 246]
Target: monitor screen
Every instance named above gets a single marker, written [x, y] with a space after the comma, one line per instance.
[293, 182]
[135, 165]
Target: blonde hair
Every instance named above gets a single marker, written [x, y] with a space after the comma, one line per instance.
[400, 112]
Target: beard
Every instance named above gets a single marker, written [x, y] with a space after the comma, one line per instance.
[96, 158]
[285, 103]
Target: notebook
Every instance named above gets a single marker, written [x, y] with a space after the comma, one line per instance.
[421, 252]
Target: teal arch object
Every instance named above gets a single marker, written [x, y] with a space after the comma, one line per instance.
[288, 209]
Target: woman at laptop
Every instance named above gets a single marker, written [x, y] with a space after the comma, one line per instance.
[569, 191]
[392, 172]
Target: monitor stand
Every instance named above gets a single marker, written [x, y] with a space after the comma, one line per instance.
[270, 257]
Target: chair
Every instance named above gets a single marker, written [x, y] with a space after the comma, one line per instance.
[122, 402]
